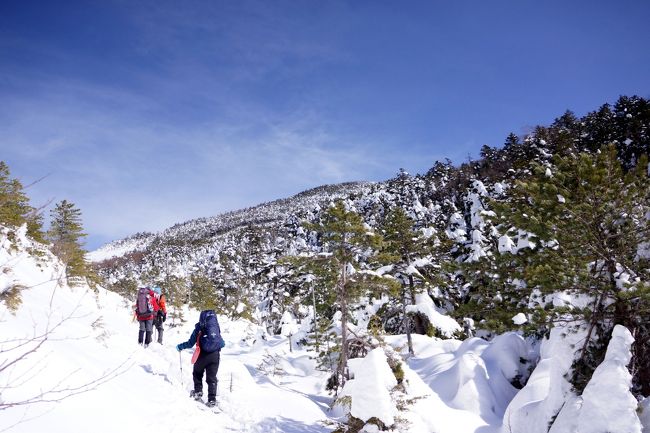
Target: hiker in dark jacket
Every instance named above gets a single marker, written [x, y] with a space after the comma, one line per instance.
[207, 338]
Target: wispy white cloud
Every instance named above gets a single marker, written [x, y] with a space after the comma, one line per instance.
[184, 132]
[129, 172]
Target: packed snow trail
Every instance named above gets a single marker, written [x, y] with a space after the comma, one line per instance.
[148, 392]
[246, 403]
[70, 355]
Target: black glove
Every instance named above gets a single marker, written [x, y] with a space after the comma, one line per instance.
[164, 316]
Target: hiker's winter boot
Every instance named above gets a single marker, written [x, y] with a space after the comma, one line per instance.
[196, 395]
[211, 403]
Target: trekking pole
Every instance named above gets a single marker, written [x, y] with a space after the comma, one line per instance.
[180, 361]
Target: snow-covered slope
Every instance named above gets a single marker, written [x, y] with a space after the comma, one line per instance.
[70, 363]
[205, 229]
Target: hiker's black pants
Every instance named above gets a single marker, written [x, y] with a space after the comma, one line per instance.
[158, 323]
[208, 362]
[146, 327]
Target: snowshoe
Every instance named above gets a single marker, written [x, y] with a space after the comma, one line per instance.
[211, 403]
[196, 395]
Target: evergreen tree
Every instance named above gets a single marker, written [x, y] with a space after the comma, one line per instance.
[281, 292]
[15, 209]
[400, 246]
[344, 239]
[587, 220]
[177, 295]
[632, 129]
[66, 234]
[563, 137]
[314, 277]
[126, 287]
[598, 128]
[203, 293]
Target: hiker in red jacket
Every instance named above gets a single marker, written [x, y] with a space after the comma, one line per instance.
[146, 308]
[161, 315]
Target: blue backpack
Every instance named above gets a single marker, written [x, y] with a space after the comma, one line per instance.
[211, 340]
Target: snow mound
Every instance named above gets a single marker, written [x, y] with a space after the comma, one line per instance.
[424, 305]
[536, 405]
[607, 404]
[370, 387]
[476, 376]
[548, 404]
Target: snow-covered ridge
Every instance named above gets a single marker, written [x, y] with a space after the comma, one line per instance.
[220, 225]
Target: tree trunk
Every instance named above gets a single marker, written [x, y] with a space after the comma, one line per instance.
[640, 365]
[406, 323]
[313, 301]
[412, 289]
[343, 361]
[417, 322]
[595, 317]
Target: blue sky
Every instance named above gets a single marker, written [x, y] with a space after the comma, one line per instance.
[150, 113]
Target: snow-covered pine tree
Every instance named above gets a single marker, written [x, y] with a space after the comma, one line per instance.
[177, 293]
[344, 240]
[15, 209]
[400, 248]
[203, 293]
[66, 235]
[588, 225]
[631, 120]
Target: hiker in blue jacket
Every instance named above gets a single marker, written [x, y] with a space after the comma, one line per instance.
[207, 338]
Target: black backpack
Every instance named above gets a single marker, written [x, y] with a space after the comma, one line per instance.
[211, 340]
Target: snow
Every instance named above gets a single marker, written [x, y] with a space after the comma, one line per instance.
[92, 338]
[369, 388]
[607, 404]
[382, 270]
[548, 404]
[449, 386]
[289, 325]
[424, 304]
[479, 187]
[506, 244]
[519, 319]
[455, 231]
[118, 249]
[523, 241]
[461, 386]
